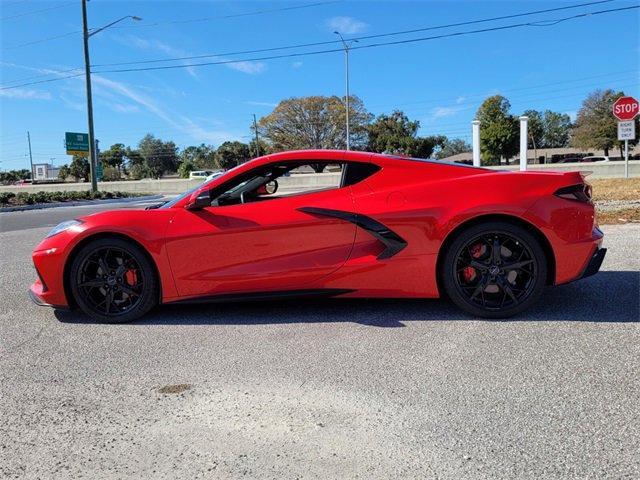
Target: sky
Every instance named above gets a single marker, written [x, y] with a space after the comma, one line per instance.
[440, 82]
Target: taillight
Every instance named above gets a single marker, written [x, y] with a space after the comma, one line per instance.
[580, 192]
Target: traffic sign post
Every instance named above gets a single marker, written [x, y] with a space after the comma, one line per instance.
[625, 110]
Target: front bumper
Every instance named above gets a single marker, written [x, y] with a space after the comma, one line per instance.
[594, 263]
[39, 294]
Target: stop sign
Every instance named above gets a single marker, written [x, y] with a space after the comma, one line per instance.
[626, 108]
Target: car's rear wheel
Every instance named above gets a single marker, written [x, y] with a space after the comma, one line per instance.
[494, 270]
[112, 280]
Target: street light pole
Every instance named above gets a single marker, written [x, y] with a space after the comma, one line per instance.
[346, 46]
[87, 69]
[93, 157]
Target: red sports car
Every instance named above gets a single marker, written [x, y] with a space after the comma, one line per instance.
[331, 223]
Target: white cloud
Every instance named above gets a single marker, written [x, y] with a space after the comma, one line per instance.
[460, 99]
[296, 64]
[261, 104]
[346, 25]
[252, 68]
[73, 104]
[25, 94]
[122, 108]
[177, 121]
[441, 112]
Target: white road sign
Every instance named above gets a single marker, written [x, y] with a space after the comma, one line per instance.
[627, 130]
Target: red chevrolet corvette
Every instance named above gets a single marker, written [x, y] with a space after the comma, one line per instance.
[330, 223]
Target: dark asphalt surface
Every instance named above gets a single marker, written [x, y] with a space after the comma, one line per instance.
[50, 217]
[323, 389]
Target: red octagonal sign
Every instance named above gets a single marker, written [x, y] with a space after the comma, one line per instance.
[626, 108]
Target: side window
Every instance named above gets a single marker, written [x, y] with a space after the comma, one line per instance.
[310, 177]
[278, 181]
[356, 172]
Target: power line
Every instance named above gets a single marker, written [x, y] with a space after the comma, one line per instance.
[52, 72]
[398, 42]
[42, 81]
[330, 42]
[367, 37]
[42, 40]
[235, 15]
[34, 12]
[622, 73]
[360, 47]
[221, 17]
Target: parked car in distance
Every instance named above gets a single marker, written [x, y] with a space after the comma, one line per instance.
[596, 158]
[215, 175]
[199, 174]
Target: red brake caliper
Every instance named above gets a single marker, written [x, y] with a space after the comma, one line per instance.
[469, 273]
[131, 277]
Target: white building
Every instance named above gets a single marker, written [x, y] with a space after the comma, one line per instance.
[43, 172]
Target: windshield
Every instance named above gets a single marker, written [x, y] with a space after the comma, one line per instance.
[175, 200]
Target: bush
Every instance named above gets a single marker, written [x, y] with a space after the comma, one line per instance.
[25, 198]
[6, 196]
[110, 174]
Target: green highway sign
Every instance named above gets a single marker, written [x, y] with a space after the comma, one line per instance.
[99, 171]
[76, 143]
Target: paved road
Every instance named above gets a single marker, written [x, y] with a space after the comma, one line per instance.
[50, 217]
[333, 389]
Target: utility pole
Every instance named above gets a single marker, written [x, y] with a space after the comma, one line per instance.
[346, 46]
[93, 160]
[30, 156]
[87, 70]
[255, 129]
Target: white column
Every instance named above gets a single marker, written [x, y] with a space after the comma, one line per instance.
[523, 143]
[475, 128]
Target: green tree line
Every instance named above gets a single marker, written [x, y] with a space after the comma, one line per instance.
[318, 122]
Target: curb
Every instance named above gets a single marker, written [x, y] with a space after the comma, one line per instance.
[78, 203]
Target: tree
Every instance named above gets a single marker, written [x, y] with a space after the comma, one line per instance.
[110, 174]
[64, 172]
[13, 176]
[230, 154]
[315, 122]
[557, 127]
[453, 147]
[595, 126]
[79, 168]
[536, 129]
[499, 131]
[160, 157]
[185, 168]
[263, 148]
[202, 157]
[397, 134]
[114, 156]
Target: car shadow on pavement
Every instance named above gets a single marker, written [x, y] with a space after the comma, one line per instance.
[609, 296]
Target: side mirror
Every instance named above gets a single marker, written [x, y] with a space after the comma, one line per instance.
[271, 187]
[199, 200]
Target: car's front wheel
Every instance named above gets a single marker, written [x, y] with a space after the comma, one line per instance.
[494, 270]
[112, 280]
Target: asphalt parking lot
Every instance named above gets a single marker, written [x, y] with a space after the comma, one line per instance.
[322, 389]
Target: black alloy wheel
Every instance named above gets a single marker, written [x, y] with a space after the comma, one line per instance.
[113, 281]
[495, 270]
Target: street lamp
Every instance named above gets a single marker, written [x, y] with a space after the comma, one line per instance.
[93, 161]
[347, 46]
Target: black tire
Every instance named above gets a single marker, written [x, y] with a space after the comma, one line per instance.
[488, 284]
[113, 281]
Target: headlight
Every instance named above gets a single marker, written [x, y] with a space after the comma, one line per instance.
[61, 227]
